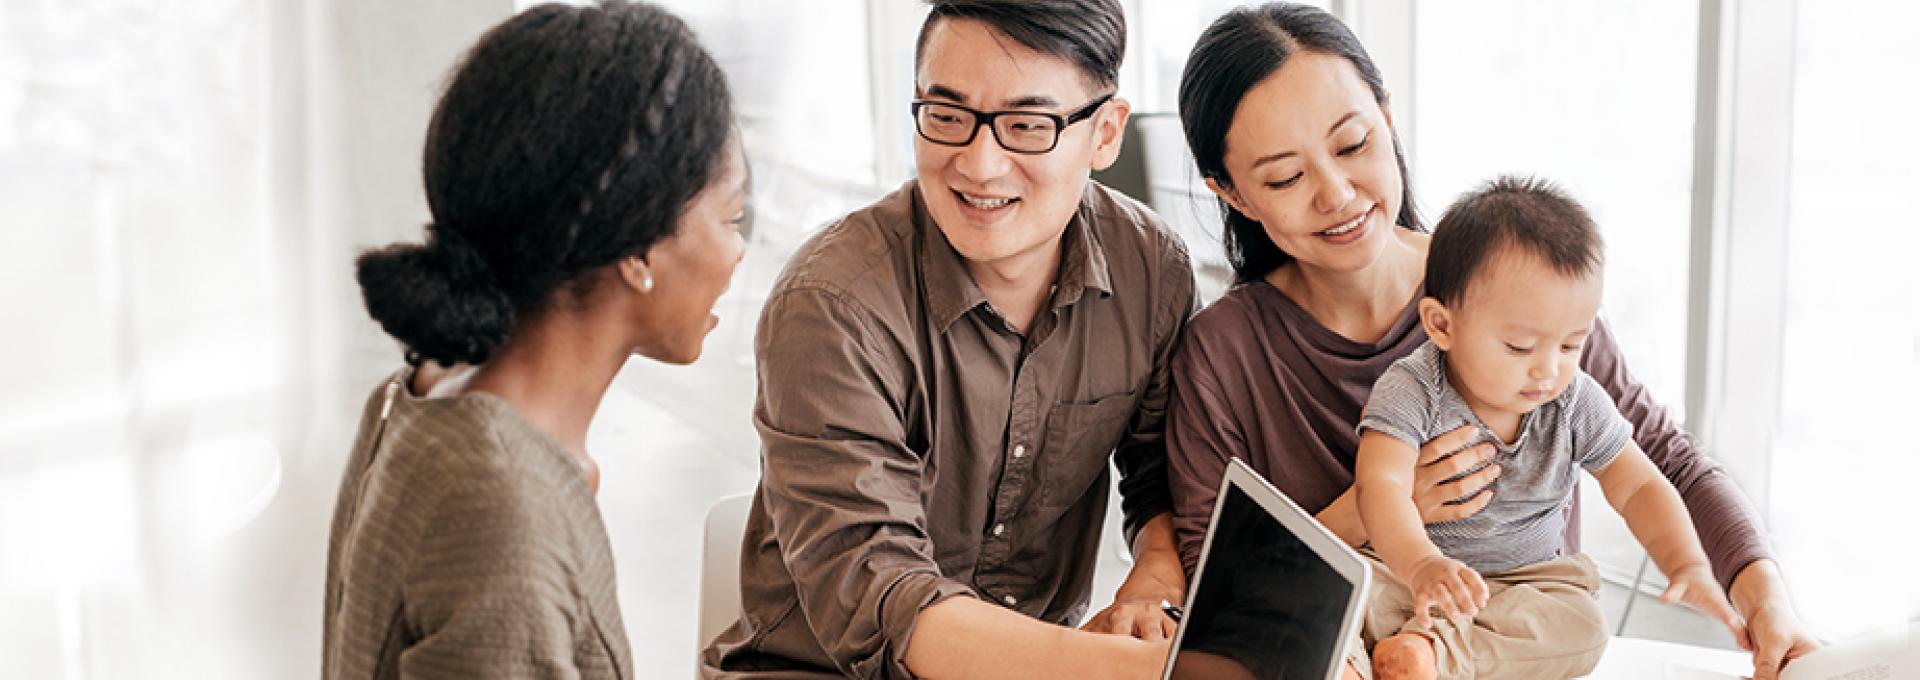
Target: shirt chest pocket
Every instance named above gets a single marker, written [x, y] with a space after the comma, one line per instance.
[1080, 440]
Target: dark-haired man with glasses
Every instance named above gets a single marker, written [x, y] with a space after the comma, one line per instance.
[945, 375]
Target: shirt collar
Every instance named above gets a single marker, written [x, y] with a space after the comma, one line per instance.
[950, 288]
[1083, 260]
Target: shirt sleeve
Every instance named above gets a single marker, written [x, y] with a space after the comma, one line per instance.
[1142, 454]
[1721, 514]
[1599, 431]
[1400, 406]
[841, 487]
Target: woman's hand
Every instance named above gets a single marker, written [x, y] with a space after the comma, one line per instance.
[1447, 583]
[1444, 458]
[1439, 460]
[1774, 632]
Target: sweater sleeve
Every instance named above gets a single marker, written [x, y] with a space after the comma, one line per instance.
[1728, 526]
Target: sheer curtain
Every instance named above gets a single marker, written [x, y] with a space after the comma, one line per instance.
[182, 187]
[1842, 471]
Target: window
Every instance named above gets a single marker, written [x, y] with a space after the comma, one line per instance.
[1841, 466]
[1605, 111]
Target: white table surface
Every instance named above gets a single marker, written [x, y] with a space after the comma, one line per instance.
[1637, 659]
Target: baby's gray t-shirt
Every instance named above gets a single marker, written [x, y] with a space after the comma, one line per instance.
[1523, 524]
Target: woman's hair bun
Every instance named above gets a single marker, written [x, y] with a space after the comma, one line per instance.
[439, 300]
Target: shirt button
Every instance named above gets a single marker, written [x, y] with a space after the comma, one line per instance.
[999, 529]
[1020, 450]
[1010, 600]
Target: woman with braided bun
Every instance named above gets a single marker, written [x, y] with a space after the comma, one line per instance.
[588, 192]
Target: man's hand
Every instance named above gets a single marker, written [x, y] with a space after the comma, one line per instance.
[1136, 616]
[1157, 578]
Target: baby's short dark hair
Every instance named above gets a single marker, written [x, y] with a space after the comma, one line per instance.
[1524, 212]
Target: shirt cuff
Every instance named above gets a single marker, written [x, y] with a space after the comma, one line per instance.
[900, 609]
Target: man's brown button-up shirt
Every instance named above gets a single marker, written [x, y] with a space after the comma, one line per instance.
[915, 446]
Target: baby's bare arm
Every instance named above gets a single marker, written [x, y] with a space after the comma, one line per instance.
[1652, 508]
[1383, 486]
[1655, 514]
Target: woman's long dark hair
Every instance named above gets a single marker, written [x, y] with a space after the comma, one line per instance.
[569, 137]
[1239, 50]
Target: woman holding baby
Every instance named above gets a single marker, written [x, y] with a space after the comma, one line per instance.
[1290, 125]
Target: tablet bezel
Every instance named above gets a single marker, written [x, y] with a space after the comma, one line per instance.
[1331, 550]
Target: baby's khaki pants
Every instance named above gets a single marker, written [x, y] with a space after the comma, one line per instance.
[1541, 621]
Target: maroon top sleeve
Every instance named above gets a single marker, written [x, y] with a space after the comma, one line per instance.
[1201, 438]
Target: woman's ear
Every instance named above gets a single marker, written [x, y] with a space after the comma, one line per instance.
[1232, 197]
[1386, 107]
[635, 272]
[1110, 129]
[1438, 322]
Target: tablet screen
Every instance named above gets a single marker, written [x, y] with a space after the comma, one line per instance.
[1267, 607]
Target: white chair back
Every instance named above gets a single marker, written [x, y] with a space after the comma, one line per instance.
[720, 566]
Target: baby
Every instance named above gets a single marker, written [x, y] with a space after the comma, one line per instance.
[1513, 285]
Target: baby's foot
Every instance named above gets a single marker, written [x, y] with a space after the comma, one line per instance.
[1406, 656]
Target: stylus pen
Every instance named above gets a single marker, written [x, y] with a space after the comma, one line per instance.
[1172, 610]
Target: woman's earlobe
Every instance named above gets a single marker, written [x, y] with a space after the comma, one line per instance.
[636, 273]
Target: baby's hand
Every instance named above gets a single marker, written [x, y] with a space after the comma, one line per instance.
[1693, 585]
[1448, 584]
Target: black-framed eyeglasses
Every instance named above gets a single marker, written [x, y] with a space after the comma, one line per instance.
[1030, 132]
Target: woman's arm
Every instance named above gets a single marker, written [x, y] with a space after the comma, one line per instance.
[1201, 438]
[1773, 629]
